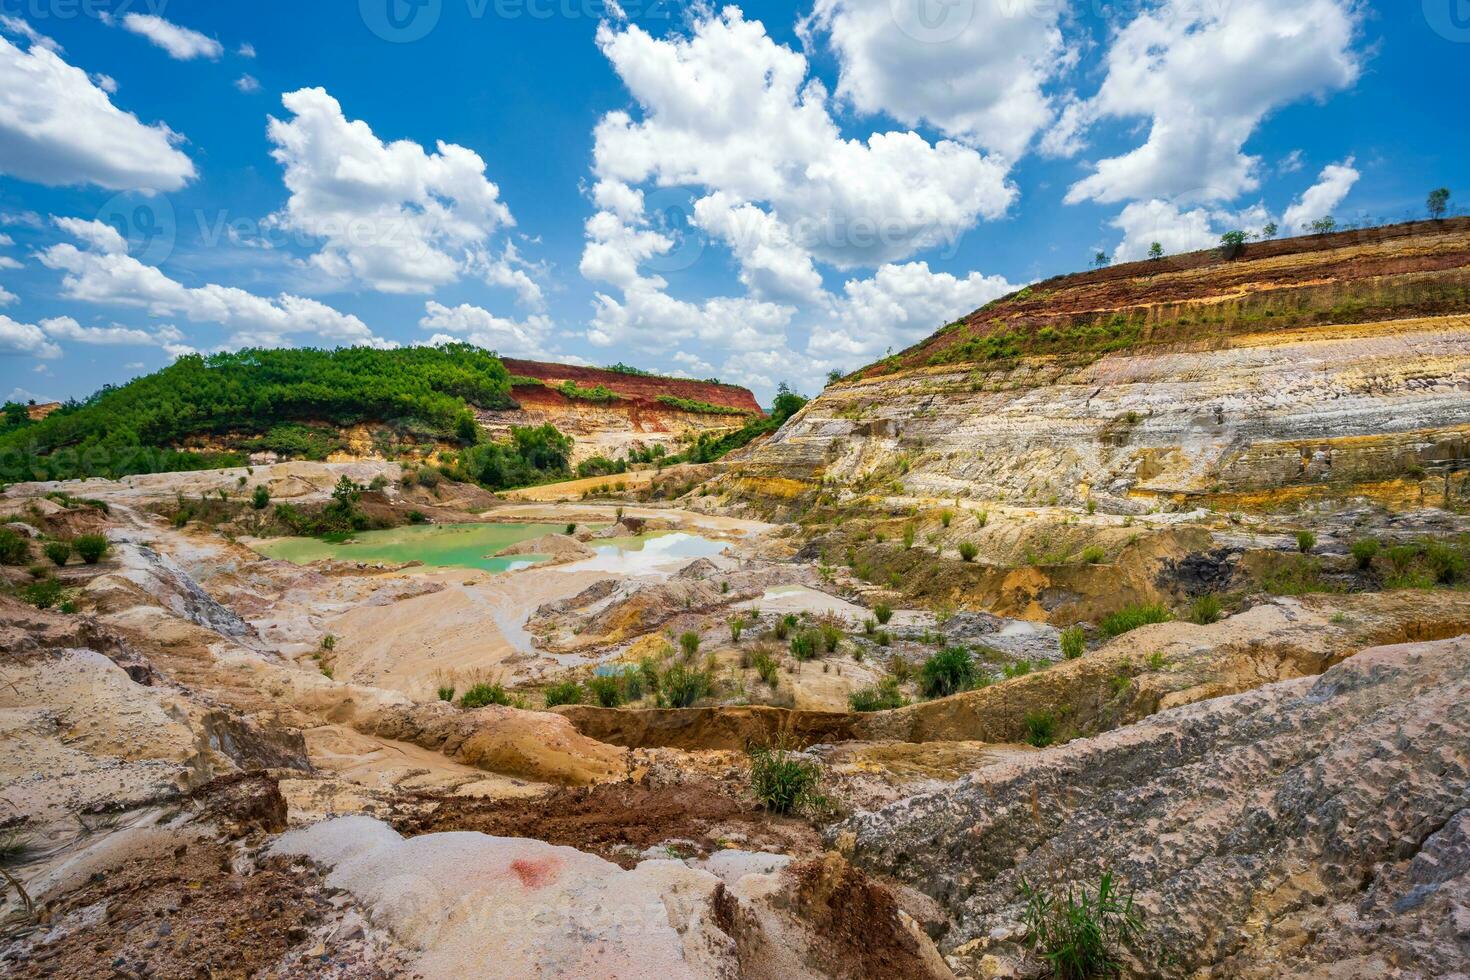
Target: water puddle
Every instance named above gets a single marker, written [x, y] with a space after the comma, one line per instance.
[649, 554]
[475, 546]
[438, 546]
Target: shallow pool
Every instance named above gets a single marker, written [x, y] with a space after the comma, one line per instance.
[475, 546]
[437, 545]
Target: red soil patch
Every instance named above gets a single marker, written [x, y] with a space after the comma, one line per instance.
[612, 820]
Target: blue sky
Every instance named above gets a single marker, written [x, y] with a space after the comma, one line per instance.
[759, 193]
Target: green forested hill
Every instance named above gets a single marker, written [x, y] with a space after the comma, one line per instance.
[133, 428]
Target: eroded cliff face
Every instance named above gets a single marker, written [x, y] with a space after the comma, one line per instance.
[644, 412]
[1320, 367]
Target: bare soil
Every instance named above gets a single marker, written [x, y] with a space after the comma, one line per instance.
[616, 821]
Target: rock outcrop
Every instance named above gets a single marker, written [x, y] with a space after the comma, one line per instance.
[1315, 827]
[1327, 366]
[643, 409]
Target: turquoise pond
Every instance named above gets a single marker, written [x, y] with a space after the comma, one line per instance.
[475, 546]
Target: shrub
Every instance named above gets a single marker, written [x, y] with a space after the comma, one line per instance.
[1093, 554]
[446, 692]
[92, 548]
[1157, 661]
[1082, 933]
[782, 780]
[1040, 728]
[766, 667]
[14, 549]
[609, 692]
[884, 638]
[946, 517]
[689, 643]
[1091, 506]
[59, 552]
[831, 635]
[883, 613]
[968, 551]
[870, 626]
[737, 626]
[947, 672]
[1305, 541]
[1131, 618]
[883, 696]
[42, 594]
[1074, 642]
[570, 692]
[633, 683]
[481, 695]
[1018, 669]
[1205, 610]
[681, 686]
[417, 517]
[901, 669]
[806, 644]
[1297, 575]
[983, 517]
[784, 626]
[261, 498]
[329, 642]
[1364, 551]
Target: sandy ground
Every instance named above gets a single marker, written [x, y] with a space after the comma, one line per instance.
[574, 489]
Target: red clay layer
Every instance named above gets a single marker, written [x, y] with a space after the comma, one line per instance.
[637, 387]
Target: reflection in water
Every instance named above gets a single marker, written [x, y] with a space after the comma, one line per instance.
[648, 554]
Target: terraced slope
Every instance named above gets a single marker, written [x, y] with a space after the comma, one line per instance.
[1307, 367]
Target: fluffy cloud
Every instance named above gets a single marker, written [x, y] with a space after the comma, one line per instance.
[1319, 200]
[167, 337]
[248, 84]
[899, 306]
[796, 194]
[104, 273]
[24, 339]
[978, 79]
[180, 42]
[57, 127]
[391, 216]
[7, 297]
[730, 110]
[526, 338]
[650, 319]
[1206, 75]
[1146, 222]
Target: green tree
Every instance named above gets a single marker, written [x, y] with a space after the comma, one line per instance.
[1270, 230]
[1156, 250]
[1439, 202]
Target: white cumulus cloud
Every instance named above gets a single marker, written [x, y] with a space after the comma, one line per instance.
[1205, 75]
[180, 42]
[58, 127]
[18, 338]
[105, 274]
[1319, 200]
[390, 215]
[978, 79]
[525, 338]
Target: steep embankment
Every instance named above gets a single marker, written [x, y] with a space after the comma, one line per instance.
[607, 412]
[1293, 369]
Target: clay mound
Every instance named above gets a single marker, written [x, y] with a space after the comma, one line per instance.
[535, 745]
[558, 546]
[1314, 827]
[616, 821]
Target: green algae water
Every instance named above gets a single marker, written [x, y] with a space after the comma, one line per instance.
[475, 545]
[436, 545]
